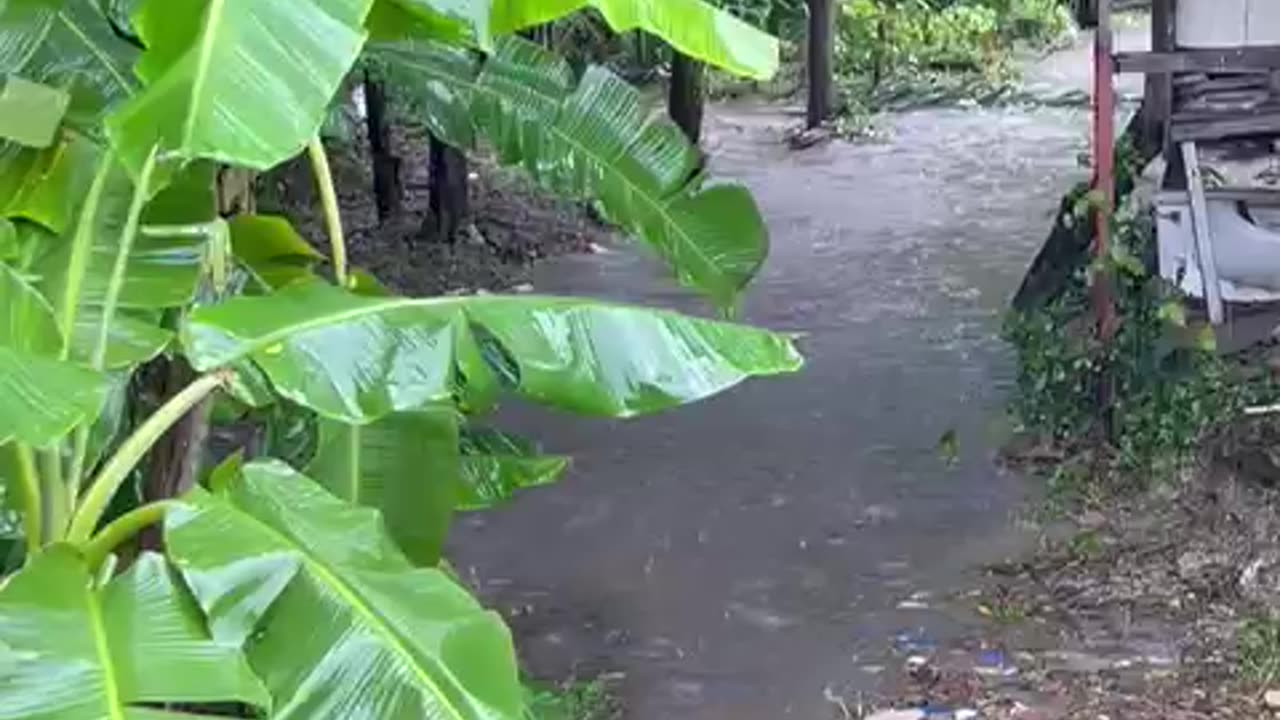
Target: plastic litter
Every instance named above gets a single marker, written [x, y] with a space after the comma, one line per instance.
[897, 715]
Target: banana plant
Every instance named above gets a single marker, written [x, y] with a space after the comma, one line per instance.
[695, 28]
[591, 138]
[290, 583]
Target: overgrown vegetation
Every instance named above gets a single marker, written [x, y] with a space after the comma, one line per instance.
[897, 53]
[573, 701]
[232, 459]
[1170, 389]
[1259, 651]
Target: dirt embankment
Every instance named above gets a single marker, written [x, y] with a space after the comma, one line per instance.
[1153, 606]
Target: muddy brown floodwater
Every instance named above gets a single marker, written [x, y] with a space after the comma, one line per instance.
[747, 558]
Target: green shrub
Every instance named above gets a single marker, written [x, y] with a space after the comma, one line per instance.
[914, 35]
[1171, 388]
[939, 51]
[1258, 644]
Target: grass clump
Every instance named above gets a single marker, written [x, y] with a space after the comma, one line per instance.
[1258, 645]
[572, 701]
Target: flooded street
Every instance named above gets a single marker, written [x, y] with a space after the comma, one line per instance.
[748, 558]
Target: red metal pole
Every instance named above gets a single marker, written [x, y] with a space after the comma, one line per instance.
[1104, 180]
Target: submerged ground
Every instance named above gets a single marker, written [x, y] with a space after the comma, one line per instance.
[754, 557]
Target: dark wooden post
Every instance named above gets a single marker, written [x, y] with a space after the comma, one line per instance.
[880, 53]
[685, 96]
[1086, 12]
[388, 193]
[1158, 93]
[447, 188]
[1104, 173]
[1101, 286]
[821, 47]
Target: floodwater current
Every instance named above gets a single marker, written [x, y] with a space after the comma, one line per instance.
[748, 558]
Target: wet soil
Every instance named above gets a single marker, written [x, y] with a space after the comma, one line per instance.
[1133, 608]
[514, 223]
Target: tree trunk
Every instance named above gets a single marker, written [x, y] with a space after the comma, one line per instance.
[1158, 92]
[821, 47]
[388, 193]
[1086, 12]
[879, 55]
[685, 96]
[447, 186]
[176, 461]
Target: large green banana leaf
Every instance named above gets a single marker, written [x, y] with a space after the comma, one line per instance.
[457, 22]
[26, 319]
[30, 340]
[695, 28]
[356, 358]
[162, 271]
[26, 323]
[337, 622]
[271, 250]
[10, 242]
[132, 339]
[406, 465]
[67, 44]
[243, 82]
[417, 467]
[73, 651]
[497, 465]
[31, 113]
[47, 186]
[594, 141]
[42, 399]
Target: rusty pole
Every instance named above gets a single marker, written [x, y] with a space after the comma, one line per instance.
[1104, 189]
[1104, 178]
